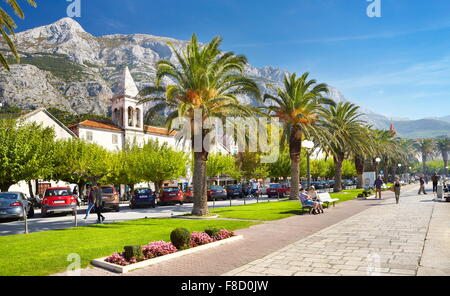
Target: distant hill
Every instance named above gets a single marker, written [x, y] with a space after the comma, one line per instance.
[64, 67]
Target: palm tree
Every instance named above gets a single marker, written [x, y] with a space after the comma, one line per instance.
[7, 26]
[385, 147]
[443, 147]
[348, 134]
[364, 152]
[298, 106]
[207, 81]
[426, 148]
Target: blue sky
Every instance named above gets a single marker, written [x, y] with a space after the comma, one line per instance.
[397, 65]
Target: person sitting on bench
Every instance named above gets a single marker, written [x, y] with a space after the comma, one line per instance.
[312, 193]
[307, 201]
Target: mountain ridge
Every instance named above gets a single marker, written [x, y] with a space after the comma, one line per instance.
[64, 66]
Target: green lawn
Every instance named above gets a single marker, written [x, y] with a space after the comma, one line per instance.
[269, 211]
[45, 253]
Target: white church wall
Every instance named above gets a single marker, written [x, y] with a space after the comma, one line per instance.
[111, 140]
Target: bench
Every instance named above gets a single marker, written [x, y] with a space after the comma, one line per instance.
[326, 199]
[306, 207]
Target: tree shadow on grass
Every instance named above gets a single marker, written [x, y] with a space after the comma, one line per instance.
[296, 212]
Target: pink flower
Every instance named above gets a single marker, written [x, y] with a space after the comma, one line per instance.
[159, 248]
[224, 234]
[200, 238]
[118, 259]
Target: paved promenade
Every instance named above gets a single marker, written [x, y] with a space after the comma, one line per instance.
[357, 237]
[411, 238]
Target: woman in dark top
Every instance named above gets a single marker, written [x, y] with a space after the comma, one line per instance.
[397, 189]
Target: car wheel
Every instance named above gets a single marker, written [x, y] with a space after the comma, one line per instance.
[117, 209]
[30, 213]
[181, 203]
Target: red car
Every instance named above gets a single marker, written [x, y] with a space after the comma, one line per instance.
[189, 195]
[171, 195]
[278, 190]
[58, 200]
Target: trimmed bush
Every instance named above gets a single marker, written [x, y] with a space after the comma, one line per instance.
[212, 232]
[133, 252]
[181, 238]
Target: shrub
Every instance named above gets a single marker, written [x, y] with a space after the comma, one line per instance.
[181, 238]
[212, 232]
[159, 248]
[200, 238]
[133, 252]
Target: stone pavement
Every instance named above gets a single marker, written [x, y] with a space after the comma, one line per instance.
[411, 238]
[259, 241]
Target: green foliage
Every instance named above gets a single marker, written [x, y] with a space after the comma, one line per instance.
[79, 162]
[68, 118]
[348, 169]
[180, 238]
[219, 165]
[26, 152]
[133, 252]
[282, 167]
[212, 232]
[250, 165]
[159, 162]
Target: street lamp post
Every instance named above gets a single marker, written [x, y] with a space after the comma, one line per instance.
[377, 160]
[308, 145]
[399, 169]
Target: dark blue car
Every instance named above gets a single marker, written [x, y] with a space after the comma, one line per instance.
[143, 197]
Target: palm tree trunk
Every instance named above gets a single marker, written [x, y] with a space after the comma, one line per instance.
[424, 163]
[338, 168]
[359, 164]
[445, 158]
[200, 207]
[295, 147]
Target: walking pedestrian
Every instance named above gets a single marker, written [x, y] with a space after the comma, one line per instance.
[435, 180]
[397, 189]
[98, 203]
[378, 184]
[422, 186]
[91, 203]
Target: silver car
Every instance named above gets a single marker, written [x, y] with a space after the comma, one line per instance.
[12, 205]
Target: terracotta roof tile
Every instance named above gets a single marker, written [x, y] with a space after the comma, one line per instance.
[95, 124]
[158, 130]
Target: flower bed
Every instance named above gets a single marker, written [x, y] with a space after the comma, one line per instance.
[162, 248]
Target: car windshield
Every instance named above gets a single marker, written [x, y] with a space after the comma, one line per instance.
[215, 188]
[107, 190]
[233, 187]
[274, 185]
[8, 196]
[143, 191]
[171, 189]
[58, 192]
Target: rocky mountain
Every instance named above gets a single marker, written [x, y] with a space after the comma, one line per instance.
[65, 67]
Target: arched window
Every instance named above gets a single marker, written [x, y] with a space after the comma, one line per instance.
[130, 116]
[138, 117]
[116, 116]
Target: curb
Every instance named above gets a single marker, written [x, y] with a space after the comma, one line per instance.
[125, 269]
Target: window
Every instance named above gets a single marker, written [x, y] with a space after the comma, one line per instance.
[89, 136]
[115, 139]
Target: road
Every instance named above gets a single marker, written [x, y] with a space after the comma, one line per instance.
[61, 221]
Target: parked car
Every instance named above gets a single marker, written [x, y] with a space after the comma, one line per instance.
[143, 197]
[189, 194]
[234, 191]
[171, 195]
[12, 206]
[58, 200]
[278, 190]
[217, 192]
[110, 198]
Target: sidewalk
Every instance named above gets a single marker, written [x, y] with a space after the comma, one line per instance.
[411, 238]
[259, 241]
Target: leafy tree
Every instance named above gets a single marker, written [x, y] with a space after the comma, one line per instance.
[250, 166]
[219, 165]
[26, 152]
[158, 163]
[282, 167]
[7, 26]
[79, 162]
[207, 80]
[298, 106]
